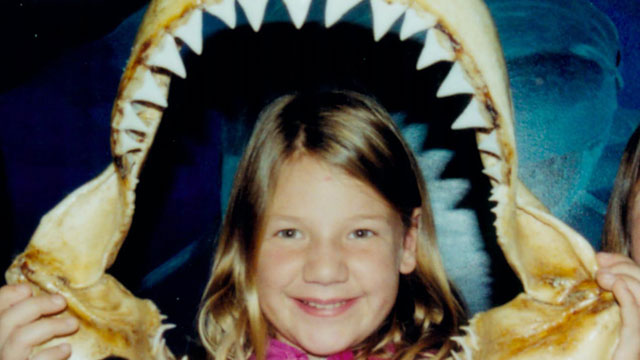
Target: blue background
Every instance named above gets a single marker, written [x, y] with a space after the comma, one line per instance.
[573, 68]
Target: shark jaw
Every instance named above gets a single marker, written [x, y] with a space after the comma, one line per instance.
[80, 238]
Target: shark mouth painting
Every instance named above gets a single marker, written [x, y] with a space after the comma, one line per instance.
[561, 313]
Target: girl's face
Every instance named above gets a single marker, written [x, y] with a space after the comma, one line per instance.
[331, 255]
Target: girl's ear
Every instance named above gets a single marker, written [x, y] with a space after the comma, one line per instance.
[410, 243]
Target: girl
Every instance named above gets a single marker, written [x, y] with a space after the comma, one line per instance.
[327, 249]
[621, 237]
[619, 234]
[328, 243]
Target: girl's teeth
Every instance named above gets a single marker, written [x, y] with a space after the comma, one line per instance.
[324, 306]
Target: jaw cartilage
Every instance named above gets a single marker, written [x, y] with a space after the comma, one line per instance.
[79, 239]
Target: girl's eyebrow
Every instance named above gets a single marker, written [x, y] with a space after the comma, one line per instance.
[357, 217]
[375, 217]
[282, 217]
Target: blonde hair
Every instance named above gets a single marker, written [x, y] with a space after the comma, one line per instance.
[616, 236]
[352, 132]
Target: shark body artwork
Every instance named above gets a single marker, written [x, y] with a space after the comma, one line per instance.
[567, 315]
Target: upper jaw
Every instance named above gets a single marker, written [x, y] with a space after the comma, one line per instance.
[460, 32]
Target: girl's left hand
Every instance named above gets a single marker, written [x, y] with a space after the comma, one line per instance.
[621, 275]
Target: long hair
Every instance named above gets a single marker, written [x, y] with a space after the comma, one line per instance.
[616, 236]
[352, 132]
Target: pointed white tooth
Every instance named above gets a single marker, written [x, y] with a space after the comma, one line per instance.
[167, 56]
[494, 172]
[384, 15]
[254, 10]
[336, 9]
[472, 118]
[131, 121]
[489, 143]
[472, 335]
[126, 143]
[150, 91]
[298, 10]
[433, 50]
[191, 32]
[455, 83]
[498, 193]
[224, 10]
[414, 23]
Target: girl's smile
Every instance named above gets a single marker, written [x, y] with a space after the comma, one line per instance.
[325, 308]
[330, 258]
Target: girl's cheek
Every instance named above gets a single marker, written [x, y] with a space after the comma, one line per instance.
[274, 262]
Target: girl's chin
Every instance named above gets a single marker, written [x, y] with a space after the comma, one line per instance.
[323, 349]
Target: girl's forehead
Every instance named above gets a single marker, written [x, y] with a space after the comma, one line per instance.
[306, 180]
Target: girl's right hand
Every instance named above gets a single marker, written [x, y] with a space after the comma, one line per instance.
[25, 323]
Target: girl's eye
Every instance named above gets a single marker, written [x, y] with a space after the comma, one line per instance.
[289, 234]
[361, 234]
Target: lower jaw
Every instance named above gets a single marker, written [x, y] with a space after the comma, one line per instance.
[325, 313]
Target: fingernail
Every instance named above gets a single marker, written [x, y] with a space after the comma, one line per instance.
[24, 289]
[607, 277]
[71, 322]
[65, 348]
[59, 300]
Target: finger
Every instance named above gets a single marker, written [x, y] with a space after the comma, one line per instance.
[609, 259]
[43, 330]
[25, 338]
[28, 311]
[632, 284]
[13, 294]
[629, 268]
[33, 308]
[60, 352]
[607, 276]
[628, 347]
[607, 280]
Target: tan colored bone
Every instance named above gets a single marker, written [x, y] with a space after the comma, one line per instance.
[68, 254]
[561, 315]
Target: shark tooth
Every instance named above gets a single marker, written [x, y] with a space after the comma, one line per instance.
[150, 91]
[384, 16]
[224, 10]
[298, 10]
[498, 193]
[489, 143]
[254, 10]
[414, 23]
[191, 32]
[433, 50]
[472, 118]
[471, 335]
[126, 143]
[495, 172]
[455, 83]
[167, 56]
[336, 9]
[131, 121]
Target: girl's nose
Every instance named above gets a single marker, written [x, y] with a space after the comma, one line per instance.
[325, 264]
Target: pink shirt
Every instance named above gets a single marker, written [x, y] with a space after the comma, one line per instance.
[280, 351]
